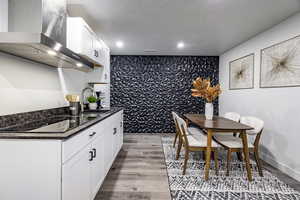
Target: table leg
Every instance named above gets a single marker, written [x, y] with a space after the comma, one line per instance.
[246, 154]
[208, 153]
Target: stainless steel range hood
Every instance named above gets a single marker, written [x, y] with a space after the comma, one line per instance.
[40, 48]
[37, 31]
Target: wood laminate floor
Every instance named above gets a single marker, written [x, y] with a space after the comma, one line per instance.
[139, 172]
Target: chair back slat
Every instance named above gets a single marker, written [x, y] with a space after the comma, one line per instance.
[175, 116]
[233, 116]
[182, 126]
[255, 123]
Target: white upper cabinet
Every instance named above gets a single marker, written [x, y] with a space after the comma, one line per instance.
[3, 15]
[101, 74]
[98, 50]
[82, 40]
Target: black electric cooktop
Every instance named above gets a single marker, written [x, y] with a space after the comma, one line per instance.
[55, 124]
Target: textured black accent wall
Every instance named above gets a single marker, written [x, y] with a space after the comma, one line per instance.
[150, 87]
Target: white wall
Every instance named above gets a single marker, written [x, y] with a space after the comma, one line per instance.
[28, 86]
[278, 107]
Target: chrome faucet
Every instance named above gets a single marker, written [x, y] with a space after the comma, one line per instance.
[83, 95]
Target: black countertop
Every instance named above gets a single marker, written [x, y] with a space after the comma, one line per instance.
[64, 135]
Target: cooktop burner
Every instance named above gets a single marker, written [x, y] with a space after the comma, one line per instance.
[55, 124]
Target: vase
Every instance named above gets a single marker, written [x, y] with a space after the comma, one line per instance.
[93, 106]
[209, 111]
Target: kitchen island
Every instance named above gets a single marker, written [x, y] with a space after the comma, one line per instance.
[70, 165]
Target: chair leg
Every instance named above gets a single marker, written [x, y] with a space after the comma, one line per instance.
[203, 155]
[216, 161]
[186, 157]
[258, 162]
[239, 156]
[178, 148]
[175, 139]
[228, 162]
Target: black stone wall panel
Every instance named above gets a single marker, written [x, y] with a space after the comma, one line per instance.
[149, 88]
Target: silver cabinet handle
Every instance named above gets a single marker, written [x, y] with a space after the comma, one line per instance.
[115, 131]
[94, 153]
[91, 156]
[96, 54]
[92, 134]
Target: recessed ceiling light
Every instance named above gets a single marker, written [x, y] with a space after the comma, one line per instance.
[79, 64]
[52, 53]
[119, 44]
[180, 45]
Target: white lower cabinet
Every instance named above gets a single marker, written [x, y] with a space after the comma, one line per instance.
[76, 176]
[83, 174]
[108, 149]
[30, 169]
[3, 15]
[117, 134]
[73, 169]
[97, 165]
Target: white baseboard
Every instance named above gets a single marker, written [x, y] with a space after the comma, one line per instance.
[282, 167]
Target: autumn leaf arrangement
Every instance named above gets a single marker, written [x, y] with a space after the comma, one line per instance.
[204, 89]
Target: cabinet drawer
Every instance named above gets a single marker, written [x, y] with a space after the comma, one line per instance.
[73, 145]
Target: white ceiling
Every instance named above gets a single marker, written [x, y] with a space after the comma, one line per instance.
[207, 27]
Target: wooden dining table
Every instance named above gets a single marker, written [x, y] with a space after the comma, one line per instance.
[220, 124]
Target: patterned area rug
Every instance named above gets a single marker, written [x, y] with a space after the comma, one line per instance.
[235, 186]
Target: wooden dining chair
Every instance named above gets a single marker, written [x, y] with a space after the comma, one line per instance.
[235, 144]
[190, 129]
[193, 143]
[232, 116]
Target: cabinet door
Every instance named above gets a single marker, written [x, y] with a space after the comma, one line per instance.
[120, 132]
[106, 61]
[87, 42]
[76, 176]
[115, 139]
[98, 51]
[3, 15]
[108, 148]
[30, 169]
[121, 135]
[117, 133]
[97, 165]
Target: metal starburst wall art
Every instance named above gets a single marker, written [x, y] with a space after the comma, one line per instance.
[241, 72]
[203, 89]
[283, 63]
[280, 64]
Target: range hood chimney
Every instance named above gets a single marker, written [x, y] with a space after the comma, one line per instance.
[37, 31]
